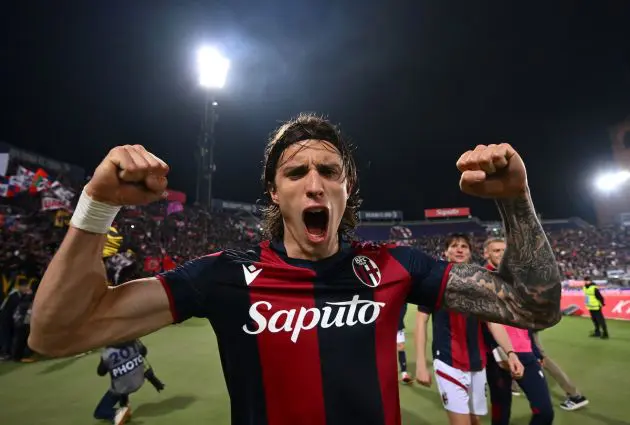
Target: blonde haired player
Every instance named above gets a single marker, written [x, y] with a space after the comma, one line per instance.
[493, 249]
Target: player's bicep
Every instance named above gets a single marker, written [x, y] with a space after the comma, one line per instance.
[124, 312]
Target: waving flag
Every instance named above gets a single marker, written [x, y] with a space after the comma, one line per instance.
[40, 181]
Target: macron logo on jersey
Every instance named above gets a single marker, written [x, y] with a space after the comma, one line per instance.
[250, 272]
[294, 321]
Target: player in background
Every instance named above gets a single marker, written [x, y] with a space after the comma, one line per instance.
[493, 253]
[297, 306]
[594, 303]
[532, 382]
[459, 352]
[493, 249]
[400, 346]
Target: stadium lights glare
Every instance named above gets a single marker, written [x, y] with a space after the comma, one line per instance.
[611, 181]
[213, 68]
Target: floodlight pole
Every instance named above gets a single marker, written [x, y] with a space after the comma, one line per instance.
[212, 72]
[207, 165]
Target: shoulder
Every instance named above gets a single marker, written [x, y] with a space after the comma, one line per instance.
[413, 260]
[381, 252]
[378, 248]
[370, 245]
[225, 256]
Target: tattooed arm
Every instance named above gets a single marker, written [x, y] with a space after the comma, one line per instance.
[525, 290]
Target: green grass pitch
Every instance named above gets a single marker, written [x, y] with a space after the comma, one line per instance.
[66, 391]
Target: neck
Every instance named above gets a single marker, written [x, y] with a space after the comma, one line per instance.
[307, 251]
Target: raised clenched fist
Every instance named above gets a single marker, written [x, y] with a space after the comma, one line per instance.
[129, 175]
[493, 171]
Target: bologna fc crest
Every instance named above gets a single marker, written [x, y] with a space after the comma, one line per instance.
[366, 270]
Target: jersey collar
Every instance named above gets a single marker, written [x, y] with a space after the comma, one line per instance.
[280, 249]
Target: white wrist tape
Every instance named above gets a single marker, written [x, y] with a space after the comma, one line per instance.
[93, 216]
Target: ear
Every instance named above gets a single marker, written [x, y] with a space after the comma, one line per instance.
[273, 193]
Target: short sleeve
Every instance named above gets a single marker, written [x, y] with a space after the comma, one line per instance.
[188, 287]
[428, 277]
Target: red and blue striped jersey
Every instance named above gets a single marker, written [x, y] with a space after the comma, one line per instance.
[458, 340]
[308, 342]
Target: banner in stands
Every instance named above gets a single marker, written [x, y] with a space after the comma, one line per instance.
[10, 282]
[174, 207]
[51, 204]
[617, 303]
[380, 215]
[16, 155]
[447, 212]
[235, 206]
[175, 196]
[4, 163]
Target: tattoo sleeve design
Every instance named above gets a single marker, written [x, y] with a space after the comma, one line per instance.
[525, 291]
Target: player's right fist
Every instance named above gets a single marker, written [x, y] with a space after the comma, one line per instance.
[129, 175]
[423, 376]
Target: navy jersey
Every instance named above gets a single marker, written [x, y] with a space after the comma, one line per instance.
[294, 335]
[458, 340]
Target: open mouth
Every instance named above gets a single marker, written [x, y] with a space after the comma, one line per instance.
[316, 221]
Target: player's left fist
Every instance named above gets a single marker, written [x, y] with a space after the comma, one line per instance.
[492, 171]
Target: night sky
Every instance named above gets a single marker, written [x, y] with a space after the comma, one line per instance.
[413, 84]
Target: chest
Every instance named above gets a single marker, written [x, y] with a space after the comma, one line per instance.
[352, 295]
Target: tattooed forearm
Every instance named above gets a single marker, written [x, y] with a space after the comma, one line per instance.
[525, 291]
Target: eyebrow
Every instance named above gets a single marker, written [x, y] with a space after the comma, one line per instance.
[292, 167]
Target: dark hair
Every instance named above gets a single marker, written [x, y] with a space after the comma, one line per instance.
[456, 236]
[304, 127]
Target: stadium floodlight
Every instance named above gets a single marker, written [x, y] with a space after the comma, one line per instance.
[213, 67]
[612, 181]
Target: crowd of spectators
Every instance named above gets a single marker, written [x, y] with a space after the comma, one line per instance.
[28, 240]
[590, 251]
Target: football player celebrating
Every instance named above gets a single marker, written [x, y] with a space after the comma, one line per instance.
[296, 307]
